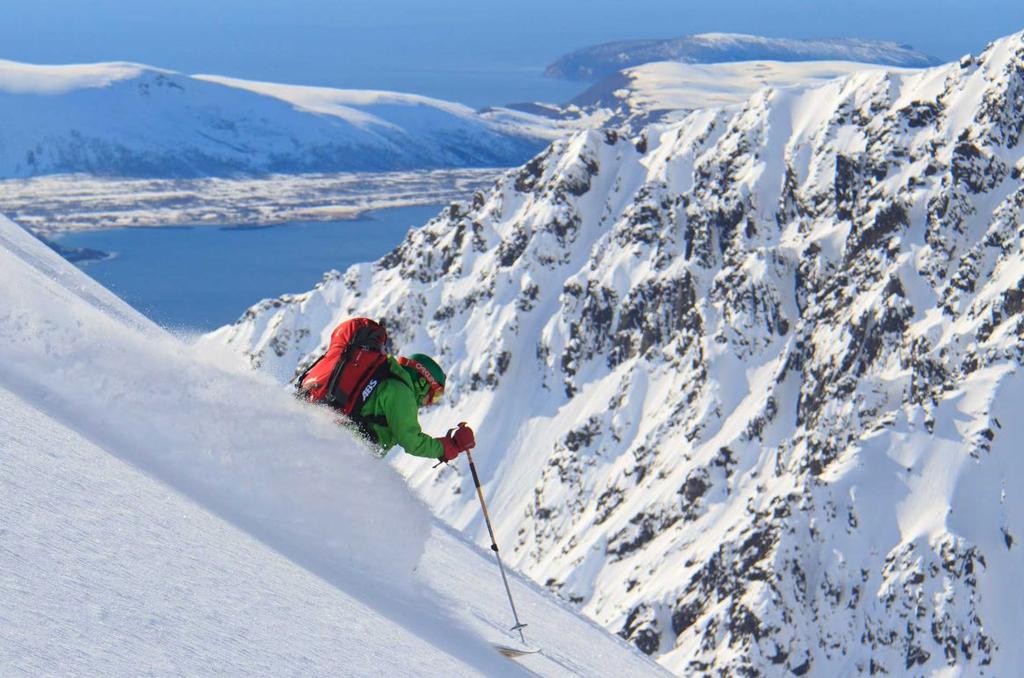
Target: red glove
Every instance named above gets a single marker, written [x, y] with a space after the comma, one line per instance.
[457, 441]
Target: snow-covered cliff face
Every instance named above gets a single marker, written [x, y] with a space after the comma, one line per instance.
[747, 393]
[131, 120]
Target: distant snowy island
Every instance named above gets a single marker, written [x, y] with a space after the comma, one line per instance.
[600, 61]
[667, 91]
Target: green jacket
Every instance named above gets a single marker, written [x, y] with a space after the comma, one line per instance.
[398, 400]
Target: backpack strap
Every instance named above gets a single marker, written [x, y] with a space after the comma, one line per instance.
[330, 398]
[297, 381]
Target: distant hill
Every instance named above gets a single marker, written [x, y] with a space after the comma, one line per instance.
[600, 61]
[126, 119]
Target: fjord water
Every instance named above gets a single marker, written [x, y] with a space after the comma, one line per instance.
[200, 278]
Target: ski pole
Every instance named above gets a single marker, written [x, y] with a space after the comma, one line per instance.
[494, 547]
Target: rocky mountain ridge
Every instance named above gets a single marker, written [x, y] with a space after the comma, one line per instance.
[745, 390]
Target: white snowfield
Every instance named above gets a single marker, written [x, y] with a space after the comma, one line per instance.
[164, 515]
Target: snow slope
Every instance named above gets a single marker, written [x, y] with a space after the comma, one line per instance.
[166, 516]
[134, 120]
[600, 61]
[748, 383]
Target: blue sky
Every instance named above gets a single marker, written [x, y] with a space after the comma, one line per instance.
[480, 51]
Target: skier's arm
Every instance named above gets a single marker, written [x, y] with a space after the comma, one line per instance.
[400, 405]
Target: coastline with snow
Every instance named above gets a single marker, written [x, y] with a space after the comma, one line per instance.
[61, 203]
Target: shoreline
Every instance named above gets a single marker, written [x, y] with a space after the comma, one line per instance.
[60, 204]
[219, 225]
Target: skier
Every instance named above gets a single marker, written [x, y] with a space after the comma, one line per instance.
[390, 414]
[380, 395]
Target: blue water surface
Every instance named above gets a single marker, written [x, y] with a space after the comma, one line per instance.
[200, 278]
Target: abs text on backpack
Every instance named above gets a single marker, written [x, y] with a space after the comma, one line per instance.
[347, 374]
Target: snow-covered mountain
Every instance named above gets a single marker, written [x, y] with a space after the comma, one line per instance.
[600, 61]
[745, 392]
[133, 120]
[164, 514]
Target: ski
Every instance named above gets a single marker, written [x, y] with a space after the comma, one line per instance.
[513, 652]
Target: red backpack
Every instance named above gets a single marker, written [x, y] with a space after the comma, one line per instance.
[343, 376]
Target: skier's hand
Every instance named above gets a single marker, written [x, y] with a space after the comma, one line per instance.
[457, 441]
[463, 437]
[451, 450]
